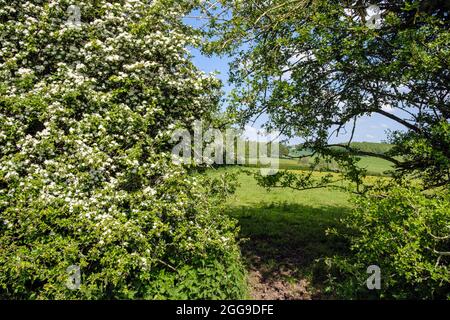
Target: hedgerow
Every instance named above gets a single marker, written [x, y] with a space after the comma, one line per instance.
[406, 233]
[86, 177]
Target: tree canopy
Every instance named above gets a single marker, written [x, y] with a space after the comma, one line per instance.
[316, 67]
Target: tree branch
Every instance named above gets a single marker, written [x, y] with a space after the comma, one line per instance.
[365, 153]
[399, 120]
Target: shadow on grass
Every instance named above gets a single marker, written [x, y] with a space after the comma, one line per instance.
[280, 243]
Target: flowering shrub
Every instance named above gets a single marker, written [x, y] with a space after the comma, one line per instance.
[86, 177]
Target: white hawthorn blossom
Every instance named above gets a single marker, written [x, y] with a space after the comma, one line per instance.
[85, 115]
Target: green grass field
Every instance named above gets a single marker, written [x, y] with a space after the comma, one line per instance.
[375, 166]
[282, 233]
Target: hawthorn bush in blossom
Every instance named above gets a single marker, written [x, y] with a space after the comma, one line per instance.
[86, 177]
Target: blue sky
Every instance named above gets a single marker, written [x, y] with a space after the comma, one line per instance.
[370, 129]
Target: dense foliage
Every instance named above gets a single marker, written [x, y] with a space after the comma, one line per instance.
[86, 177]
[407, 234]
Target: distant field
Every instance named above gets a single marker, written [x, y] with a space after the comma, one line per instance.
[374, 166]
[300, 158]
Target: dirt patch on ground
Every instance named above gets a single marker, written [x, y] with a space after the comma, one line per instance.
[264, 289]
[273, 281]
[283, 249]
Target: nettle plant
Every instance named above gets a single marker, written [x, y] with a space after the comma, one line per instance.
[89, 91]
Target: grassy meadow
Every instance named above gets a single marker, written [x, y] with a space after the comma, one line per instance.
[283, 232]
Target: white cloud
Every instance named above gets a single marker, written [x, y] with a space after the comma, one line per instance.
[387, 108]
[293, 60]
[260, 135]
